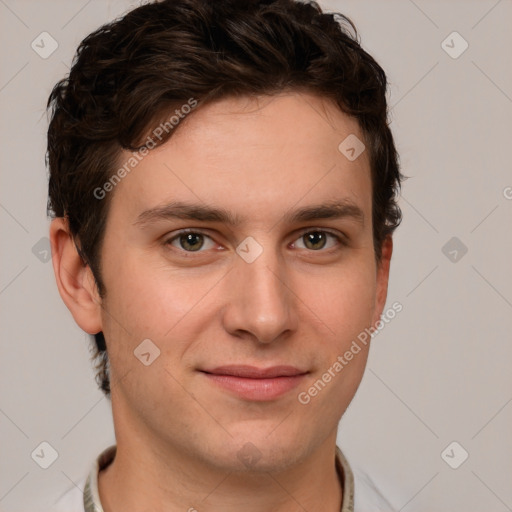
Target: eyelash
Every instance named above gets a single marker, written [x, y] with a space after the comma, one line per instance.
[339, 239]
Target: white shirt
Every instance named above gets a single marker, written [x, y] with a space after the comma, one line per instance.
[360, 494]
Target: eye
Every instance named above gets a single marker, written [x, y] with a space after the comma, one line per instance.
[190, 241]
[318, 239]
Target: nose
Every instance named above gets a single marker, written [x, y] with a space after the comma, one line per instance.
[261, 303]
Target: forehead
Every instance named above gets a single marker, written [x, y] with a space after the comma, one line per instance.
[254, 156]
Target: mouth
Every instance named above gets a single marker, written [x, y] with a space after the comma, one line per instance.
[256, 384]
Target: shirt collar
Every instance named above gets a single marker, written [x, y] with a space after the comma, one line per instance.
[92, 501]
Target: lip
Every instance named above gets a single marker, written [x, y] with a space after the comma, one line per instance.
[256, 384]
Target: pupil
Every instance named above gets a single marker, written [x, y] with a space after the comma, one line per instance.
[315, 238]
[191, 239]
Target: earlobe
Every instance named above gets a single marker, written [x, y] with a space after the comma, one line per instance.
[75, 280]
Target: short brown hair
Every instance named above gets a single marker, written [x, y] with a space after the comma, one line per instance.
[129, 73]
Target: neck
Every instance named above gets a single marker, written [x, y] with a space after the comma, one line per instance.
[167, 479]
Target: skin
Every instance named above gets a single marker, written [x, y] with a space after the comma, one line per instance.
[178, 435]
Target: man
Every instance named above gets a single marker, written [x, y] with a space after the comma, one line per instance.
[223, 184]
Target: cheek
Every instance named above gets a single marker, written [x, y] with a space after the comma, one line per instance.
[151, 301]
[345, 303]
[344, 300]
[148, 301]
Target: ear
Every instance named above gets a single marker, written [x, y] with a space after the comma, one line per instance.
[383, 278]
[75, 280]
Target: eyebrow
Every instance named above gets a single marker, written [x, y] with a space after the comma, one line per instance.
[344, 208]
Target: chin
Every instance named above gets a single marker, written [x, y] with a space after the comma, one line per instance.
[250, 452]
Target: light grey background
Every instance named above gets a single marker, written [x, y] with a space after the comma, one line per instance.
[438, 373]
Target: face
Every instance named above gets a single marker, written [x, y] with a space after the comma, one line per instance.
[242, 249]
